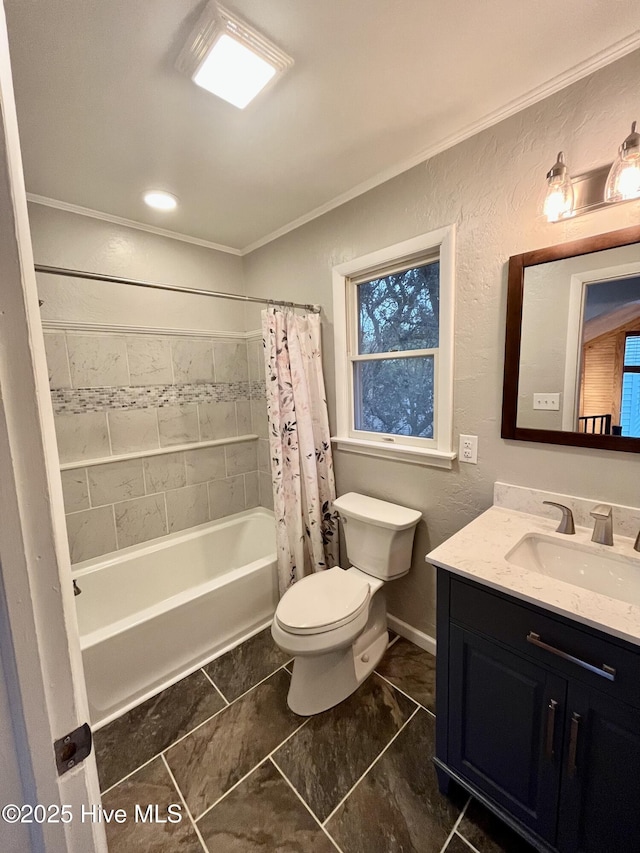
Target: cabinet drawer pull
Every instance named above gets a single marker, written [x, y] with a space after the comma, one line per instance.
[551, 727]
[604, 671]
[573, 744]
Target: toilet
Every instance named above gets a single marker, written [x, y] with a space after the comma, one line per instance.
[335, 621]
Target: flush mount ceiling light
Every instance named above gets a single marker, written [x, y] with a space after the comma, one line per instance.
[229, 58]
[614, 183]
[160, 200]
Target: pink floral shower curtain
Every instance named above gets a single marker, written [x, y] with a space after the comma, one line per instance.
[300, 445]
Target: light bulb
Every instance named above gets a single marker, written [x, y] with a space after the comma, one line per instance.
[623, 182]
[558, 203]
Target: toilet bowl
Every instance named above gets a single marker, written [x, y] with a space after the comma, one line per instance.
[334, 622]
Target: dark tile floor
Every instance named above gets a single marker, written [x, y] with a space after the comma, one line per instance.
[249, 775]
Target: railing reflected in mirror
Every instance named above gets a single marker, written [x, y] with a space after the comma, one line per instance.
[572, 352]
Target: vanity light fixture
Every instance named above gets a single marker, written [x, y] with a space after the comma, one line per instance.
[160, 200]
[558, 203]
[623, 182]
[227, 57]
[601, 187]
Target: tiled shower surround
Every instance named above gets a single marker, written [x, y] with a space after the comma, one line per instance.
[156, 432]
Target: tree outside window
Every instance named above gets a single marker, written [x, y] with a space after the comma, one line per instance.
[395, 363]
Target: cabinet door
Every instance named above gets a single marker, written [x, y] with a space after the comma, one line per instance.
[600, 794]
[505, 728]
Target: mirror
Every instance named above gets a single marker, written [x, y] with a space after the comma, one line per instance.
[572, 350]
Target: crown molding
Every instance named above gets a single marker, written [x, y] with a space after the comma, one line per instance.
[129, 223]
[556, 84]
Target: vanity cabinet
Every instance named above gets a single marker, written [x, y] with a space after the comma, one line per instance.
[600, 802]
[538, 717]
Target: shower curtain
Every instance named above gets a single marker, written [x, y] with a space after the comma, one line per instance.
[300, 445]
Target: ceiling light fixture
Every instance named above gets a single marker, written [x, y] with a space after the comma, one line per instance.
[227, 57]
[160, 200]
[601, 187]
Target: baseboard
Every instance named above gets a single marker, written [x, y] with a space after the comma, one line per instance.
[424, 641]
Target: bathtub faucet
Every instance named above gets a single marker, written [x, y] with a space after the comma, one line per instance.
[76, 588]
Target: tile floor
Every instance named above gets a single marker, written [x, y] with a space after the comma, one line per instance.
[252, 776]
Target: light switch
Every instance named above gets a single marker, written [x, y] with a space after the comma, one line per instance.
[551, 402]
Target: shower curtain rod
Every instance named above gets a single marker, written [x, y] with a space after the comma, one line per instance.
[174, 288]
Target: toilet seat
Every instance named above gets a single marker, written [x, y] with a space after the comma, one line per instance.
[323, 602]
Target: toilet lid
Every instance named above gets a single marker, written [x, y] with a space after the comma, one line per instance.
[323, 601]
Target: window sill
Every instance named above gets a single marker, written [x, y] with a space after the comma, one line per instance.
[398, 452]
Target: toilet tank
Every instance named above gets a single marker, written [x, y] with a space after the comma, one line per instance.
[379, 535]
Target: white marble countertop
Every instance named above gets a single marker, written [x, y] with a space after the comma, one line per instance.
[478, 552]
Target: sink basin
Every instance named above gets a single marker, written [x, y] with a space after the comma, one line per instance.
[579, 564]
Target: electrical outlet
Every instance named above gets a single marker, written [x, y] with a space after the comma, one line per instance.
[551, 402]
[468, 449]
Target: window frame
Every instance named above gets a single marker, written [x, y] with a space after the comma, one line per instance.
[417, 251]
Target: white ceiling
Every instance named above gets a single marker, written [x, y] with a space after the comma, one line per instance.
[377, 86]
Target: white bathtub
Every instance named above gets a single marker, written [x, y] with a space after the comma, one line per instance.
[152, 613]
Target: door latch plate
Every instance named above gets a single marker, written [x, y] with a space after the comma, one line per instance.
[73, 748]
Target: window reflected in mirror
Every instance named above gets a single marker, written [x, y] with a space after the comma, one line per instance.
[630, 405]
[609, 399]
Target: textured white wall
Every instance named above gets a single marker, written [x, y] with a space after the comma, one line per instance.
[66, 239]
[545, 314]
[492, 187]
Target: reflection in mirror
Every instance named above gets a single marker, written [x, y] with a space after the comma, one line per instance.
[580, 344]
[610, 359]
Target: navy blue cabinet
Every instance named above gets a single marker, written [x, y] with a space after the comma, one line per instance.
[600, 802]
[498, 724]
[539, 718]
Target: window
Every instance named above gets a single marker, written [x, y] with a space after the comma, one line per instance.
[630, 405]
[393, 314]
[395, 351]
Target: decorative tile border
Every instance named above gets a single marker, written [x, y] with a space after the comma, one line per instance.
[77, 401]
[258, 389]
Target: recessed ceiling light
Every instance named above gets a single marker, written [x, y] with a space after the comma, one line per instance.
[229, 58]
[160, 200]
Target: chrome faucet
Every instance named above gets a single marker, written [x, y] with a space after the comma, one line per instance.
[566, 523]
[603, 527]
